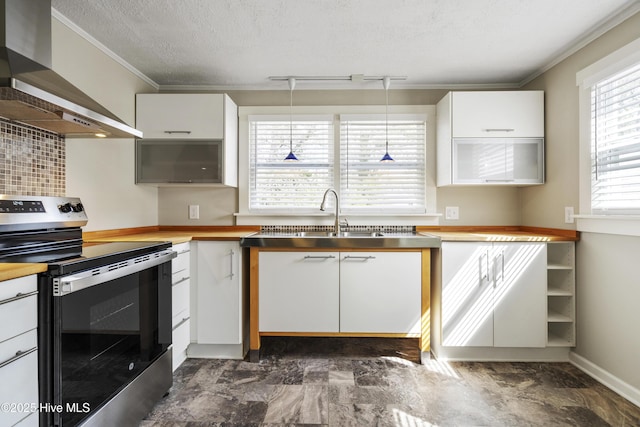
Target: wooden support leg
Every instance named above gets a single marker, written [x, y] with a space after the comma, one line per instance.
[425, 321]
[254, 332]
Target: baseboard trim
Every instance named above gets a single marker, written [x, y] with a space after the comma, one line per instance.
[624, 389]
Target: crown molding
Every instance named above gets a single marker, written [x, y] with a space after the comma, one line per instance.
[89, 38]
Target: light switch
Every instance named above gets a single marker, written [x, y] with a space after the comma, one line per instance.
[194, 211]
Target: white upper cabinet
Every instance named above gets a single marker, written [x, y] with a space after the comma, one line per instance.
[508, 114]
[491, 138]
[188, 139]
[180, 115]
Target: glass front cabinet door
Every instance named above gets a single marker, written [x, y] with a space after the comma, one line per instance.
[179, 162]
[498, 161]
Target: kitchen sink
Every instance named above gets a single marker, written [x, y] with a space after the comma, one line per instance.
[344, 239]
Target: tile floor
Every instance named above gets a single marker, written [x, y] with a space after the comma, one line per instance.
[377, 382]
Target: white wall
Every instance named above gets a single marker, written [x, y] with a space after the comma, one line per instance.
[608, 291]
[101, 171]
[608, 294]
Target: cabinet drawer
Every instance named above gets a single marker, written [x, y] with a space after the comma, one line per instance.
[22, 374]
[182, 248]
[20, 314]
[180, 302]
[180, 265]
[22, 285]
[181, 339]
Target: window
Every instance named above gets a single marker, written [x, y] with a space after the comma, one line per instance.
[368, 185]
[281, 186]
[350, 165]
[615, 143]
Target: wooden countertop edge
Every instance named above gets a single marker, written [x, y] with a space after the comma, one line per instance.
[187, 233]
[10, 271]
[517, 232]
[190, 232]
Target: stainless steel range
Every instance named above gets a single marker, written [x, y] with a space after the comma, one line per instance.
[104, 314]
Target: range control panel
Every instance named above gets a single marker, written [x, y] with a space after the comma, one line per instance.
[30, 212]
[21, 206]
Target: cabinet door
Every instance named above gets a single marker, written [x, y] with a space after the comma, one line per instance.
[180, 116]
[299, 291]
[520, 280]
[498, 161]
[380, 292]
[467, 294]
[512, 114]
[179, 161]
[219, 293]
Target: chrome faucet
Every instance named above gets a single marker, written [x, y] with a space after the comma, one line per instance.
[324, 203]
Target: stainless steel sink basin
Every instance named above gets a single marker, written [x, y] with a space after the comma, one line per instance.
[345, 239]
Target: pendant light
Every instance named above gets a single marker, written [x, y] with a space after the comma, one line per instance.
[386, 81]
[291, 157]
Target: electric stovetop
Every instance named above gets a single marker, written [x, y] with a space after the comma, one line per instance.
[100, 254]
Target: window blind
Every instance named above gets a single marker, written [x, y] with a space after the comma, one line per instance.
[368, 185]
[280, 186]
[615, 144]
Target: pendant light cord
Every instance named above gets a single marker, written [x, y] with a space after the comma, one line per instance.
[386, 119]
[291, 156]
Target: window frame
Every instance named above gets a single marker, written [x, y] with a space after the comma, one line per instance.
[245, 217]
[614, 223]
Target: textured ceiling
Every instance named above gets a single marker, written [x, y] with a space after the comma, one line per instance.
[240, 43]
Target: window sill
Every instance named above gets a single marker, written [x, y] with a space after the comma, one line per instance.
[328, 219]
[624, 225]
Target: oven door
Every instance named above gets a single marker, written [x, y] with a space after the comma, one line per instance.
[110, 324]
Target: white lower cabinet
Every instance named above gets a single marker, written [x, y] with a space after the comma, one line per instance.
[180, 294]
[299, 291]
[494, 294]
[347, 292]
[380, 292]
[218, 299]
[19, 350]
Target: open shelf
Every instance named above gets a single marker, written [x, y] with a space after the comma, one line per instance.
[560, 294]
[561, 335]
[555, 317]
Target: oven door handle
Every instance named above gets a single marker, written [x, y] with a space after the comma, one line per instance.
[85, 279]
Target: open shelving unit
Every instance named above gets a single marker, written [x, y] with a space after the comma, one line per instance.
[561, 286]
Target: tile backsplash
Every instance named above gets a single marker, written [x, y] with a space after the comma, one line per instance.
[32, 161]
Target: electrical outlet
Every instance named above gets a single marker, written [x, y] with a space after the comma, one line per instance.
[194, 211]
[568, 214]
[452, 212]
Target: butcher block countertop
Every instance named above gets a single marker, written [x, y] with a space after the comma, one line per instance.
[175, 235]
[500, 234]
[10, 271]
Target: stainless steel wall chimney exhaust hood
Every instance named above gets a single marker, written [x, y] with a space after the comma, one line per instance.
[31, 93]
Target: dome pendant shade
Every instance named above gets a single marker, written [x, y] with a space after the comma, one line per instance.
[291, 157]
[387, 158]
